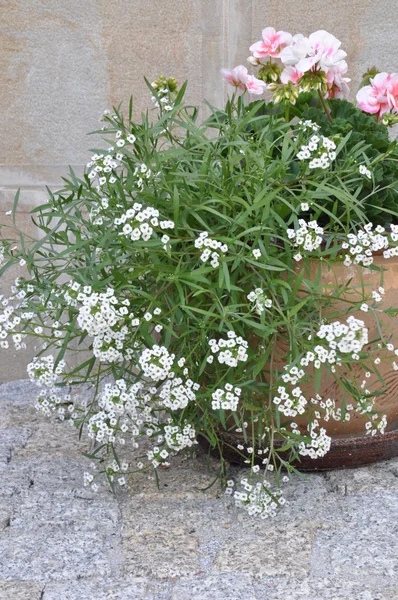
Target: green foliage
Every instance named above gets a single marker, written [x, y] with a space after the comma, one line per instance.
[236, 177]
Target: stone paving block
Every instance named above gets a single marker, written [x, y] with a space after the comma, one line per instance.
[356, 549]
[38, 508]
[17, 393]
[275, 552]
[123, 589]
[11, 440]
[321, 589]
[53, 553]
[234, 586]
[15, 416]
[187, 478]
[54, 474]
[161, 552]
[20, 590]
[13, 479]
[56, 440]
[372, 478]
[6, 511]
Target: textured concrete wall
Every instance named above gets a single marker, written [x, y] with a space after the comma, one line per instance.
[62, 62]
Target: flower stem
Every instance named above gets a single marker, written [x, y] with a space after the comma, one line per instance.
[325, 106]
[287, 115]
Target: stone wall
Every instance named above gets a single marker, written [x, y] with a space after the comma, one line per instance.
[62, 62]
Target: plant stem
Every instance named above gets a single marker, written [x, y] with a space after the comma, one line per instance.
[325, 106]
[287, 115]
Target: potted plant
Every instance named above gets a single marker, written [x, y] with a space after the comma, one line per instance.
[230, 280]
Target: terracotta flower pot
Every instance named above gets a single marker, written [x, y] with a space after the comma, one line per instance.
[351, 446]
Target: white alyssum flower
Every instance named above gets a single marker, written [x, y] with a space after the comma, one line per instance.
[343, 338]
[106, 318]
[103, 167]
[257, 499]
[365, 171]
[179, 437]
[258, 297]
[213, 249]
[156, 362]
[227, 398]
[307, 237]
[141, 223]
[230, 351]
[176, 393]
[320, 441]
[361, 246]
[319, 151]
[43, 371]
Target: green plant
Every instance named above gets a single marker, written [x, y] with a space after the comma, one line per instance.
[180, 264]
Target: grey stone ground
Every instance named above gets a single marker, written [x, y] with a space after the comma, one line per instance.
[337, 539]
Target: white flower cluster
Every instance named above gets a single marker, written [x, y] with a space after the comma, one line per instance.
[156, 362]
[139, 223]
[320, 151]
[257, 498]
[9, 324]
[365, 171]
[212, 248]
[99, 211]
[48, 400]
[377, 424]
[142, 172]
[123, 138]
[307, 237]
[179, 437]
[176, 394]
[121, 410]
[227, 398]
[235, 350]
[346, 338]
[320, 442]
[164, 98]
[105, 318]
[43, 371]
[260, 299]
[104, 167]
[308, 125]
[360, 246]
[290, 403]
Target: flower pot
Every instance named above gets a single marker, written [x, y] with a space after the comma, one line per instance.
[351, 446]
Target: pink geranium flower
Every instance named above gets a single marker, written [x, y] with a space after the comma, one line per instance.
[337, 83]
[236, 77]
[392, 93]
[295, 52]
[255, 86]
[320, 49]
[290, 74]
[240, 78]
[376, 98]
[271, 44]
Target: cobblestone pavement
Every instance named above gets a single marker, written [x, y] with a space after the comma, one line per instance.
[337, 539]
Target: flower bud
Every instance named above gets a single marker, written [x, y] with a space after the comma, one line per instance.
[253, 61]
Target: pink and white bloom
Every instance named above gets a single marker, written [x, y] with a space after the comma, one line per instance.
[272, 44]
[290, 74]
[376, 98]
[241, 79]
[392, 93]
[320, 49]
[255, 86]
[297, 51]
[337, 83]
[236, 77]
